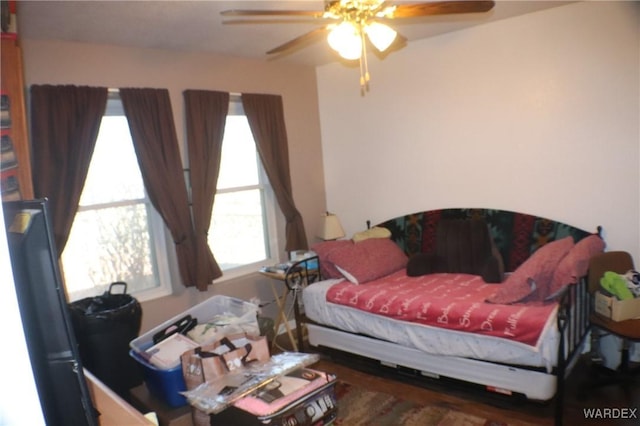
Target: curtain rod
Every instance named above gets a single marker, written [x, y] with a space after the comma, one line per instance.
[116, 90]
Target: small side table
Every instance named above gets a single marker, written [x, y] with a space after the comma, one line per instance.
[281, 301]
[299, 275]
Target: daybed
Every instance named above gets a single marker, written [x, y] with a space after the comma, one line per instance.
[419, 300]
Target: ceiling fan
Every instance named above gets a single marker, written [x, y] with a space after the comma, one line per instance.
[351, 23]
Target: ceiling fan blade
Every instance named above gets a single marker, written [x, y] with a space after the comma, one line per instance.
[270, 21]
[303, 39]
[245, 12]
[441, 8]
[399, 42]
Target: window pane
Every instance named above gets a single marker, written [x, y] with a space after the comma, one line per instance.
[114, 174]
[110, 244]
[237, 233]
[239, 164]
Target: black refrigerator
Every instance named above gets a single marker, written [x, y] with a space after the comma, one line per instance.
[57, 367]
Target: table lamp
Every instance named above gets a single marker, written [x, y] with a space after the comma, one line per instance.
[330, 229]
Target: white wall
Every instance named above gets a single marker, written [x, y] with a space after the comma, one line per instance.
[537, 114]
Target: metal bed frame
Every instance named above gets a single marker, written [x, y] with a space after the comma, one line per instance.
[572, 322]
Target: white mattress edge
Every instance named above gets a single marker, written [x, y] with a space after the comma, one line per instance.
[429, 339]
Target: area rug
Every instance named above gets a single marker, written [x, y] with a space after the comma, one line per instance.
[362, 407]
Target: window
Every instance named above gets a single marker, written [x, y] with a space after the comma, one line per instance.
[116, 235]
[242, 234]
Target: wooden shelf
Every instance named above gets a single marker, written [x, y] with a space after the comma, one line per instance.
[15, 120]
[113, 409]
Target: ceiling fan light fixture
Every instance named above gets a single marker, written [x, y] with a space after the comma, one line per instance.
[345, 39]
[351, 22]
[380, 35]
[351, 52]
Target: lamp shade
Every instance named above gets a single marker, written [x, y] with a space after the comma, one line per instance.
[381, 35]
[330, 229]
[346, 40]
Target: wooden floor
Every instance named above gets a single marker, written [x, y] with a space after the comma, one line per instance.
[580, 396]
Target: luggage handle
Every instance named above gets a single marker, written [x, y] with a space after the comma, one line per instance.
[205, 354]
[122, 283]
[223, 342]
[182, 326]
[247, 347]
[229, 344]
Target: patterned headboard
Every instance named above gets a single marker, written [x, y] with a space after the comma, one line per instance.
[516, 235]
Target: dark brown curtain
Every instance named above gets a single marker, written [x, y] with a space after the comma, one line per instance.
[205, 115]
[266, 119]
[154, 138]
[65, 121]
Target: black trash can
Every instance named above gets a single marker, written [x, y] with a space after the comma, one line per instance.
[104, 325]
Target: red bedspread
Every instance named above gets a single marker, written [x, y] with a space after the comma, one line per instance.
[453, 301]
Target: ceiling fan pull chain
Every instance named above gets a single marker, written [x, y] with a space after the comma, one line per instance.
[366, 63]
[364, 66]
[362, 82]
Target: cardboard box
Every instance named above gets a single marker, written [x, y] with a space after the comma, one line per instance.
[199, 365]
[166, 354]
[617, 310]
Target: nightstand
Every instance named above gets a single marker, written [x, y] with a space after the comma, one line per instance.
[300, 274]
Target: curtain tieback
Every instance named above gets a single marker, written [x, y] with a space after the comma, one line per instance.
[181, 240]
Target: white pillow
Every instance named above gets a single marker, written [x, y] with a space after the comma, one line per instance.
[375, 232]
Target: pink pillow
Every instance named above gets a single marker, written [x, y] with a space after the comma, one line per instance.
[368, 260]
[534, 274]
[323, 249]
[575, 264]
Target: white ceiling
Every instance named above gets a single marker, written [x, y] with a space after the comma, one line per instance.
[198, 26]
